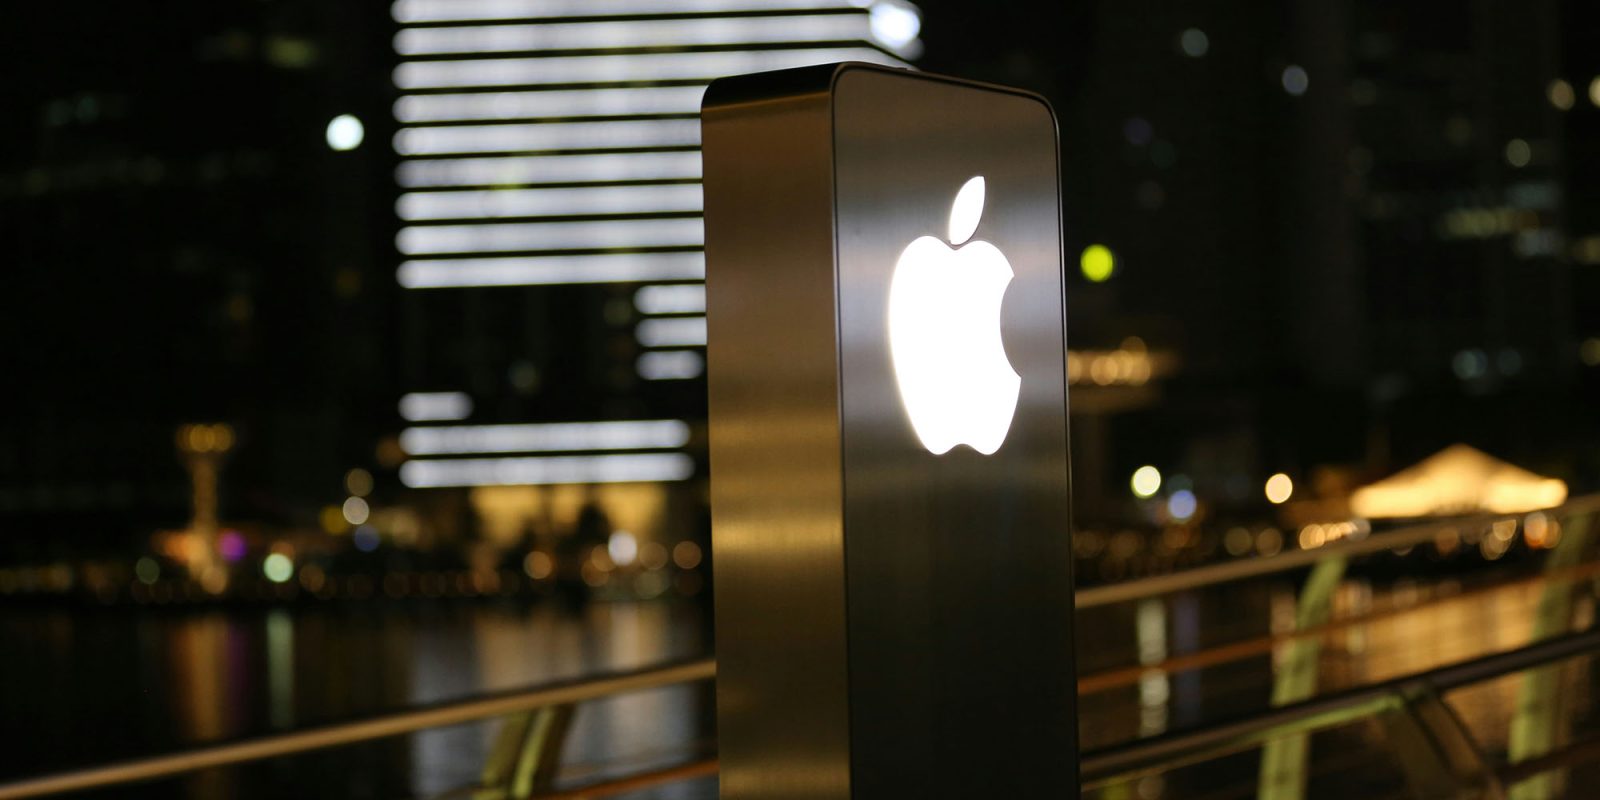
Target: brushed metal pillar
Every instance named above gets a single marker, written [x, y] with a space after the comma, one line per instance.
[890, 623]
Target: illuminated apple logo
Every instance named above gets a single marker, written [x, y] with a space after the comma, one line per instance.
[944, 334]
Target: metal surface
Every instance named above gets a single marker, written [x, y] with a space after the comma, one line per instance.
[959, 566]
[776, 491]
[891, 623]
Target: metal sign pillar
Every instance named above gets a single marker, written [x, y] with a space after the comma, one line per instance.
[889, 458]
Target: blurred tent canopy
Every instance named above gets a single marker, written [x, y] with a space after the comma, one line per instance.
[1457, 480]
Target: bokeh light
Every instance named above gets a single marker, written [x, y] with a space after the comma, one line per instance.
[1279, 488]
[358, 482]
[278, 568]
[538, 565]
[1146, 481]
[1097, 263]
[1589, 351]
[623, 547]
[355, 510]
[1295, 80]
[1182, 505]
[345, 132]
[1561, 94]
[231, 545]
[1518, 153]
[366, 538]
[686, 555]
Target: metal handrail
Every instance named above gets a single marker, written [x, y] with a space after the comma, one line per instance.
[1183, 747]
[567, 692]
[1121, 762]
[1229, 571]
[1230, 652]
[408, 721]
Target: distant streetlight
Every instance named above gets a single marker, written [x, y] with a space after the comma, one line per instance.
[1279, 488]
[345, 132]
[1146, 481]
[1561, 94]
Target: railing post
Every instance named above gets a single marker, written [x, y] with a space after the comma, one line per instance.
[526, 754]
[541, 751]
[502, 761]
[1283, 760]
[1435, 751]
[1539, 723]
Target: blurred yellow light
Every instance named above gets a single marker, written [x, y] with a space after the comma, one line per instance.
[1561, 94]
[1237, 541]
[1279, 488]
[358, 482]
[1146, 481]
[1097, 263]
[1313, 536]
[653, 555]
[332, 519]
[1594, 91]
[1457, 480]
[1269, 542]
[355, 510]
[538, 565]
[1590, 352]
[1540, 531]
[1505, 530]
[686, 555]
[1446, 541]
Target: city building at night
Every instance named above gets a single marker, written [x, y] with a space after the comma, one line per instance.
[552, 328]
[361, 438]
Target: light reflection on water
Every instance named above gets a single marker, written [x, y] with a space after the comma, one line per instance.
[91, 686]
[85, 687]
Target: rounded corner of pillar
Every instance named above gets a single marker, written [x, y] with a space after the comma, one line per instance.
[735, 90]
[1044, 105]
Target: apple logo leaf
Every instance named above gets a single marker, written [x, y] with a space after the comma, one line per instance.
[966, 211]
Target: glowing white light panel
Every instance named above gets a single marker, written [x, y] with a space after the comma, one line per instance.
[435, 406]
[551, 270]
[537, 470]
[663, 434]
[551, 142]
[498, 126]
